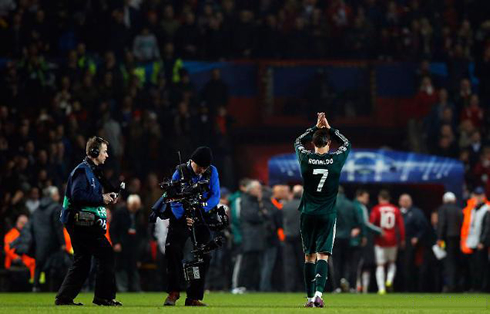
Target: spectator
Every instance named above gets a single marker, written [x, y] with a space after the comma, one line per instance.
[269, 38]
[127, 234]
[253, 226]
[476, 236]
[215, 93]
[416, 229]
[368, 230]
[297, 41]
[473, 112]
[187, 38]
[348, 226]
[482, 170]
[274, 232]
[425, 98]
[145, 46]
[119, 34]
[235, 213]
[483, 71]
[13, 259]
[169, 24]
[475, 148]
[33, 202]
[47, 231]
[462, 98]
[293, 252]
[244, 35]
[319, 32]
[215, 43]
[450, 219]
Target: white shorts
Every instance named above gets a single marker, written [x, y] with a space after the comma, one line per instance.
[385, 254]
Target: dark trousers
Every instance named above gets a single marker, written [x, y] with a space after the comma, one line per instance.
[85, 245]
[411, 272]
[37, 272]
[341, 260]
[452, 262]
[178, 233]
[294, 260]
[127, 273]
[479, 269]
[218, 277]
[354, 265]
[251, 269]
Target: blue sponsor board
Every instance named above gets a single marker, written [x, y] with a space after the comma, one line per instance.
[381, 166]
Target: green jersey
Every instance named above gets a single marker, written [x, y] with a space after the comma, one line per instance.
[321, 173]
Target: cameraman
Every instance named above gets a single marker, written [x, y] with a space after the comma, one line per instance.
[85, 218]
[198, 168]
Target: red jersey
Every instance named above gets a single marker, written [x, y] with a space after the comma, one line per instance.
[388, 216]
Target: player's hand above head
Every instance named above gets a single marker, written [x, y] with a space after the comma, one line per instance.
[320, 120]
[325, 122]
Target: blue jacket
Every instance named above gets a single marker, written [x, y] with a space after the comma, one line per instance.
[83, 191]
[212, 196]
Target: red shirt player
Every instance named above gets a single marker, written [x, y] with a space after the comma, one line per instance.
[388, 217]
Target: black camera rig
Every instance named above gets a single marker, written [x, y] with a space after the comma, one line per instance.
[191, 195]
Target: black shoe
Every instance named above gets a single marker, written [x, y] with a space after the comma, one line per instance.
[106, 302]
[66, 302]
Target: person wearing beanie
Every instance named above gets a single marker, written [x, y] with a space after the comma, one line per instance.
[198, 168]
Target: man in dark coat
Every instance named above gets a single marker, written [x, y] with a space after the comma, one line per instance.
[293, 252]
[128, 231]
[416, 227]
[349, 224]
[215, 93]
[253, 222]
[450, 219]
[47, 231]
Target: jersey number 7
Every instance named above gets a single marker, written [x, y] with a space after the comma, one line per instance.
[324, 173]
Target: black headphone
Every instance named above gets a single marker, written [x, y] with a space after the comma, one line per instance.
[95, 150]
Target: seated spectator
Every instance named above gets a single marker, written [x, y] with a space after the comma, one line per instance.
[466, 129]
[11, 258]
[473, 112]
[446, 147]
[482, 170]
[425, 98]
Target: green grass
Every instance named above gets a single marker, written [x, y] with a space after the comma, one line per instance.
[258, 303]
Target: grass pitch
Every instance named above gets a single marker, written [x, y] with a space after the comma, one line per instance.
[257, 303]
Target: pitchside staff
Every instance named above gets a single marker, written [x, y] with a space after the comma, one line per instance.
[321, 173]
[198, 168]
[84, 216]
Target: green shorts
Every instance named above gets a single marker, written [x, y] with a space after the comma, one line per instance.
[318, 233]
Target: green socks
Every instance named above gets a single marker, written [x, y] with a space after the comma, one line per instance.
[321, 274]
[309, 272]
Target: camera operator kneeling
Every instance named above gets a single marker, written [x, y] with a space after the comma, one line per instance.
[182, 226]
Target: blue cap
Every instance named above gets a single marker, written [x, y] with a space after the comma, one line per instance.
[479, 191]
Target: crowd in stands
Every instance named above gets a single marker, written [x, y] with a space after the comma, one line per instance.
[211, 30]
[74, 68]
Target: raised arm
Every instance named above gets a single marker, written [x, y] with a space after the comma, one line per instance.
[345, 146]
[299, 143]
